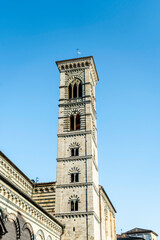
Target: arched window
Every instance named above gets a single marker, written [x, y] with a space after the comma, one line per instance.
[74, 151]
[70, 91]
[75, 124]
[74, 177]
[78, 122]
[77, 177]
[80, 90]
[74, 205]
[71, 123]
[75, 90]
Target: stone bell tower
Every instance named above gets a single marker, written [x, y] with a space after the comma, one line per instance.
[77, 187]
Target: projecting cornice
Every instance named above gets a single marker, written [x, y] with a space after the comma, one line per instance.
[77, 64]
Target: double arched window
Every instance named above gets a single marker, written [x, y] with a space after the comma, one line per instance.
[74, 205]
[74, 122]
[74, 177]
[75, 89]
[74, 174]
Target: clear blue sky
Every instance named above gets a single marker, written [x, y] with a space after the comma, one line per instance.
[124, 38]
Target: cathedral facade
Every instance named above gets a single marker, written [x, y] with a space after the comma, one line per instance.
[78, 207]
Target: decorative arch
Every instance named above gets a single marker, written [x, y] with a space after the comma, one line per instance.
[73, 170]
[74, 174]
[74, 202]
[27, 226]
[40, 235]
[12, 219]
[74, 149]
[75, 111]
[73, 197]
[74, 145]
[49, 238]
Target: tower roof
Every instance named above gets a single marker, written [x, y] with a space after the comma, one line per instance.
[78, 63]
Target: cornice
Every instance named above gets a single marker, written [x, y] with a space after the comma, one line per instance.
[79, 101]
[14, 174]
[74, 133]
[78, 185]
[65, 86]
[77, 158]
[78, 63]
[74, 185]
[77, 214]
[73, 158]
[87, 114]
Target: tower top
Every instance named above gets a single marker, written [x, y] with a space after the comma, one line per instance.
[78, 63]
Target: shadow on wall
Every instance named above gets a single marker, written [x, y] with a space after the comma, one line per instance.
[14, 226]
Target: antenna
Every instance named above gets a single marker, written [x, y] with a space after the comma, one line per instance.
[37, 179]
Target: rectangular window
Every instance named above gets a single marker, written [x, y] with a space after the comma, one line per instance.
[77, 152]
[77, 177]
[72, 152]
[72, 177]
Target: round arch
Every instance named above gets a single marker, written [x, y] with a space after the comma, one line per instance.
[40, 235]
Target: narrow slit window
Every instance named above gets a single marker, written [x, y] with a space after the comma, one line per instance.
[72, 152]
[76, 205]
[70, 91]
[75, 90]
[78, 122]
[77, 177]
[72, 205]
[71, 123]
[77, 151]
[80, 90]
[72, 177]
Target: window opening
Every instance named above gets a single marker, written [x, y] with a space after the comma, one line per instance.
[71, 122]
[72, 177]
[70, 91]
[80, 90]
[74, 205]
[75, 90]
[72, 152]
[78, 122]
[77, 177]
[75, 152]
[74, 122]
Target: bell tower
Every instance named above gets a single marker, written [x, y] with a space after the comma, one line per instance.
[77, 187]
